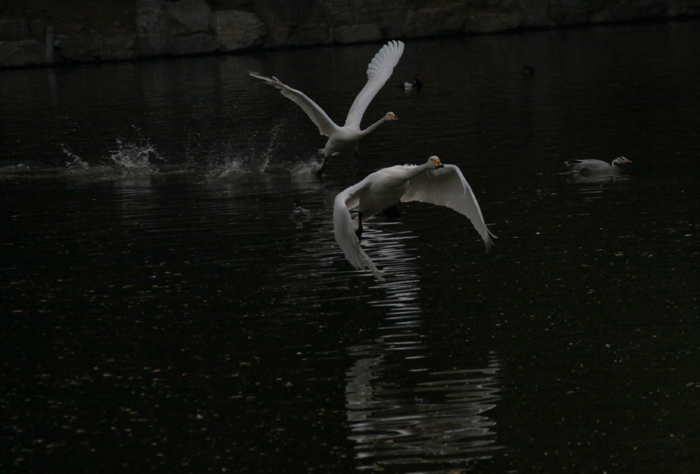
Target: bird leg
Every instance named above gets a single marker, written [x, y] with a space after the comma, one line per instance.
[358, 231]
[319, 171]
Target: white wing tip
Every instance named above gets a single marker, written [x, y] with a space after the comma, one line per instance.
[368, 265]
[386, 58]
[273, 81]
[489, 240]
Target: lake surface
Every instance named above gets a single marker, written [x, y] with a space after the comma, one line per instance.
[163, 312]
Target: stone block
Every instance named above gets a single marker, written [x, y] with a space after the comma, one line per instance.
[83, 48]
[683, 8]
[629, 10]
[533, 13]
[491, 22]
[200, 43]
[567, 12]
[22, 53]
[119, 47]
[309, 33]
[188, 16]
[152, 28]
[235, 30]
[435, 21]
[13, 29]
[90, 47]
[357, 33]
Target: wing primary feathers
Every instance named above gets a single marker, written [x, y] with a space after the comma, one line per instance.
[379, 71]
[318, 116]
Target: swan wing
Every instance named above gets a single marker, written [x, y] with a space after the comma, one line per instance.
[379, 71]
[447, 187]
[344, 229]
[325, 125]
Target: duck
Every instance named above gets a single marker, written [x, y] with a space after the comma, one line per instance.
[298, 212]
[347, 136]
[300, 215]
[528, 71]
[416, 85]
[590, 166]
[432, 182]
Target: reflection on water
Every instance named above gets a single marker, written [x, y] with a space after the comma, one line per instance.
[439, 421]
[162, 311]
[609, 178]
[596, 186]
[400, 410]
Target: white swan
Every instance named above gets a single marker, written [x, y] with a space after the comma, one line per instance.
[343, 138]
[432, 182]
[588, 167]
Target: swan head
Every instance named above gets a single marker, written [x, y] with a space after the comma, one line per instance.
[621, 160]
[390, 116]
[435, 161]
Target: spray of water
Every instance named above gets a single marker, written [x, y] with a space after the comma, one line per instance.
[251, 160]
[127, 160]
[222, 160]
[76, 164]
[135, 160]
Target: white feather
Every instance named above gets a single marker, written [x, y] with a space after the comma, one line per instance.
[430, 183]
[342, 138]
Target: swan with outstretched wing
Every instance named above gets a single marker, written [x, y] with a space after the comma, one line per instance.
[342, 138]
[432, 182]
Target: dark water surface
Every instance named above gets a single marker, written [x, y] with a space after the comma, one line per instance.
[162, 312]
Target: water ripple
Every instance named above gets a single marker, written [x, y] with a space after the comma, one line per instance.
[401, 412]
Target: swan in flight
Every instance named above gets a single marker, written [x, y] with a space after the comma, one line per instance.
[432, 182]
[588, 167]
[346, 137]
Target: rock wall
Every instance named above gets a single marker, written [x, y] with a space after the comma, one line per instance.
[47, 32]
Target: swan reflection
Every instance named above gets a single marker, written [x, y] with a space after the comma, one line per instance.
[400, 411]
[598, 178]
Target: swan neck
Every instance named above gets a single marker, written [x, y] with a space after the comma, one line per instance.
[424, 168]
[374, 126]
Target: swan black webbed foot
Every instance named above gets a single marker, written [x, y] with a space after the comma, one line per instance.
[319, 171]
[358, 231]
[392, 213]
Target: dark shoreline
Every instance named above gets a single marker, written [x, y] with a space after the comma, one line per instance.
[46, 33]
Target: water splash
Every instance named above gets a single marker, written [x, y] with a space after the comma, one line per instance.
[309, 167]
[271, 146]
[128, 160]
[76, 164]
[135, 160]
[233, 160]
